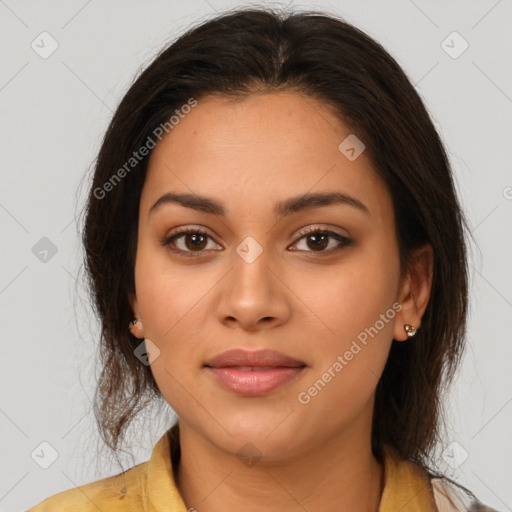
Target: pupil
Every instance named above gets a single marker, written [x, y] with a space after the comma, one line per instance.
[197, 240]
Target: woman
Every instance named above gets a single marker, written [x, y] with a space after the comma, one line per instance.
[276, 249]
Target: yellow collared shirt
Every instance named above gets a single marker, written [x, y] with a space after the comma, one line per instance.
[150, 487]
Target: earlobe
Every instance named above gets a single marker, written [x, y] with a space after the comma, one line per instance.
[415, 292]
[135, 325]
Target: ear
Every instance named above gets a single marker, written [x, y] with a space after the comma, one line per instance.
[132, 299]
[414, 292]
[137, 329]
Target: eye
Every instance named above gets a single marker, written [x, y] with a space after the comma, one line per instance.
[194, 241]
[191, 240]
[320, 240]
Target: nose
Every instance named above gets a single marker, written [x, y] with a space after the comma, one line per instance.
[253, 295]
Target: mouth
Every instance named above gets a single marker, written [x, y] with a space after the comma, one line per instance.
[253, 373]
[253, 359]
[257, 368]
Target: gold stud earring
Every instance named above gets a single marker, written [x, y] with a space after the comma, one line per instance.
[410, 330]
[134, 322]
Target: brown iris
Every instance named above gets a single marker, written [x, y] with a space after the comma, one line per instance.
[198, 241]
[320, 241]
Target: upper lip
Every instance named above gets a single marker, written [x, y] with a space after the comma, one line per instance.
[240, 357]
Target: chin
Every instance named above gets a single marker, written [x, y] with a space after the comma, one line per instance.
[266, 437]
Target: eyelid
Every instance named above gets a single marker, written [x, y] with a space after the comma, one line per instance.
[319, 228]
[342, 239]
[180, 232]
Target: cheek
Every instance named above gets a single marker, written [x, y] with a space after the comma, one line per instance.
[168, 295]
[352, 296]
[170, 304]
[348, 364]
[355, 304]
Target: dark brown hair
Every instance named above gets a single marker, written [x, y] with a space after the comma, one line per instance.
[249, 51]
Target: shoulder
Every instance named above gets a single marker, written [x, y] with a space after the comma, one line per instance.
[452, 497]
[147, 486]
[412, 486]
[121, 492]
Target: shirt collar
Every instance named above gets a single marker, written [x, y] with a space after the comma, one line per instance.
[407, 487]
[161, 494]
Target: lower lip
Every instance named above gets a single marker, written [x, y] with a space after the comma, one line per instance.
[254, 382]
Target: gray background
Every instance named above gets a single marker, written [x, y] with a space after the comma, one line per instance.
[53, 113]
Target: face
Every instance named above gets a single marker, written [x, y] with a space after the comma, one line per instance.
[265, 266]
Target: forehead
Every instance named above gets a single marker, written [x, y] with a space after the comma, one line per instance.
[259, 148]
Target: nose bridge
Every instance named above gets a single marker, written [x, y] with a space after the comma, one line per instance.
[253, 292]
[251, 269]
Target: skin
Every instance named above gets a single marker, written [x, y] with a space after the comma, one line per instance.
[250, 154]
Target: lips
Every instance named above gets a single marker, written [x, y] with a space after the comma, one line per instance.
[258, 360]
[253, 374]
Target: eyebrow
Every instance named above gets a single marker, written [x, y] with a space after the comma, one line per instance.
[281, 209]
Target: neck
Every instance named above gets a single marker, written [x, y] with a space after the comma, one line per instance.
[335, 475]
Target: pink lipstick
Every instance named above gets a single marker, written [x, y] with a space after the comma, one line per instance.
[254, 373]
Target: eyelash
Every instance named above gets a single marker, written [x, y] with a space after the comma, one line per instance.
[304, 234]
